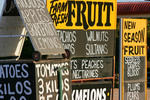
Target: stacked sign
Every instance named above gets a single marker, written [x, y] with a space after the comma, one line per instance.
[25, 80]
[86, 29]
[134, 57]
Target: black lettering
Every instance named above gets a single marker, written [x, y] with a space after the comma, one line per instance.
[125, 50]
[125, 37]
[131, 50]
[129, 25]
[125, 25]
[108, 12]
[70, 13]
[129, 39]
[91, 23]
[81, 11]
[100, 14]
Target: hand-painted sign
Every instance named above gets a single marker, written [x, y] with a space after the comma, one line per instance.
[39, 26]
[134, 54]
[134, 91]
[91, 91]
[91, 68]
[134, 37]
[17, 81]
[85, 27]
[85, 14]
[90, 43]
[47, 80]
[134, 68]
[25, 80]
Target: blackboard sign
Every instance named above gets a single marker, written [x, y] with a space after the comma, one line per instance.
[39, 26]
[47, 80]
[134, 68]
[134, 91]
[17, 81]
[91, 91]
[84, 29]
[90, 43]
[10, 9]
[88, 68]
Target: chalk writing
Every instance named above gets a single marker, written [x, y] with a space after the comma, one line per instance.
[97, 36]
[68, 38]
[133, 91]
[91, 68]
[48, 82]
[133, 66]
[16, 83]
[40, 27]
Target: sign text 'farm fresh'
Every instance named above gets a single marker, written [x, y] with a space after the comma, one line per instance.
[82, 14]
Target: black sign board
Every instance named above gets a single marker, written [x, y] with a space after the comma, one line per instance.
[134, 91]
[39, 26]
[91, 91]
[10, 9]
[88, 68]
[47, 80]
[89, 43]
[17, 81]
[134, 68]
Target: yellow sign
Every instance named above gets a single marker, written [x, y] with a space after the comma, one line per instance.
[86, 14]
[134, 58]
[134, 37]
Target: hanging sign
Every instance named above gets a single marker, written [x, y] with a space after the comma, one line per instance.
[85, 27]
[40, 27]
[134, 59]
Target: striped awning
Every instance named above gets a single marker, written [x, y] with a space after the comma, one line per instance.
[133, 8]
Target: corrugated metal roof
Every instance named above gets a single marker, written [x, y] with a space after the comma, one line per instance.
[131, 8]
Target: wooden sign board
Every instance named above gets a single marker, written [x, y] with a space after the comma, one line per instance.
[85, 27]
[47, 80]
[90, 68]
[17, 80]
[91, 91]
[40, 27]
[134, 68]
[134, 91]
[90, 43]
[134, 57]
